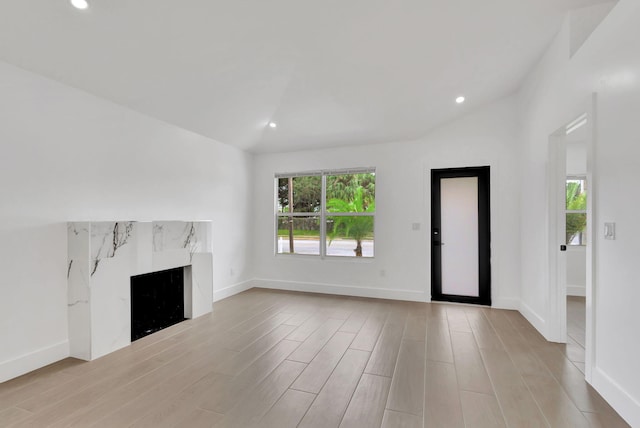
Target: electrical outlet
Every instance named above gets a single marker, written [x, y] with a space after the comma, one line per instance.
[415, 226]
[383, 273]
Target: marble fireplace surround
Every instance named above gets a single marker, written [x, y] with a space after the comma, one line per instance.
[102, 257]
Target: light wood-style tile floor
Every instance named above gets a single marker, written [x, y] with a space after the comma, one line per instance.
[281, 359]
[576, 326]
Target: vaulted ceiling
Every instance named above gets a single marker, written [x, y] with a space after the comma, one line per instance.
[328, 72]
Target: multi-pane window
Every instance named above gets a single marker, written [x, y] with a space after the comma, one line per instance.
[326, 213]
[576, 210]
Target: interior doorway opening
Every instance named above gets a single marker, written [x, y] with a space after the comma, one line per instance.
[577, 190]
[570, 308]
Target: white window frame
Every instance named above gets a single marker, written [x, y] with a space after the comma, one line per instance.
[323, 211]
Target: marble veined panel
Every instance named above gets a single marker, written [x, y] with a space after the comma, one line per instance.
[203, 231]
[143, 243]
[107, 238]
[177, 235]
[78, 241]
[201, 284]
[169, 259]
[79, 310]
[110, 306]
[78, 290]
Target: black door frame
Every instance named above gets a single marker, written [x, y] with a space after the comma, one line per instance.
[484, 234]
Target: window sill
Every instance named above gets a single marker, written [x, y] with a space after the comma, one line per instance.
[336, 259]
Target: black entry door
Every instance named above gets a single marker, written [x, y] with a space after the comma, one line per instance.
[461, 235]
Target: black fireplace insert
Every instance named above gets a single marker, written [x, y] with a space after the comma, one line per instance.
[157, 301]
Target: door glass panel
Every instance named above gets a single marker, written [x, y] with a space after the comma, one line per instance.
[459, 236]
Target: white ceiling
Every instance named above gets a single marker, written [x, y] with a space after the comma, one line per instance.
[329, 72]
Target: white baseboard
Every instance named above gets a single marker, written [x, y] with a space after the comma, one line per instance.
[505, 303]
[376, 293]
[617, 397]
[343, 290]
[231, 290]
[33, 361]
[576, 290]
[534, 319]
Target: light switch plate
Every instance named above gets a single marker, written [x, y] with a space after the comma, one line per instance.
[610, 231]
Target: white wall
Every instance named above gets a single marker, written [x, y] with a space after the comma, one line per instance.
[576, 158]
[401, 267]
[556, 92]
[67, 155]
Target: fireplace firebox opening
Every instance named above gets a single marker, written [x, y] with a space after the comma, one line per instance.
[157, 301]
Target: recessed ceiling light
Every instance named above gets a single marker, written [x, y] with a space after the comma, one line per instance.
[80, 4]
[460, 99]
[272, 124]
